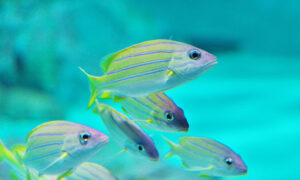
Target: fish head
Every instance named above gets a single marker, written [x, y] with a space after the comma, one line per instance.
[231, 165]
[85, 142]
[176, 119]
[147, 149]
[223, 162]
[189, 62]
[172, 119]
[166, 116]
[141, 145]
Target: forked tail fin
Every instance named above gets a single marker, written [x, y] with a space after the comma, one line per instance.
[172, 145]
[17, 169]
[94, 81]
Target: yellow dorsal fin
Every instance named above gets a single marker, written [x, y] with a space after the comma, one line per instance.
[106, 95]
[106, 62]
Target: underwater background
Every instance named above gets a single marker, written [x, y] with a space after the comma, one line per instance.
[250, 101]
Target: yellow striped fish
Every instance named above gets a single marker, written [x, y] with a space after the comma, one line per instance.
[57, 147]
[156, 112]
[127, 133]
[208, 157]
[150, 67]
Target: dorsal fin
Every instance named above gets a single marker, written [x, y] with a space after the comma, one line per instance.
[108, 60]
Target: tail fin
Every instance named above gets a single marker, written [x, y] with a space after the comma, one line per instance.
[95, 109]
[19, 151]
[172, 145]
[1, 151]
[94, 80]
[99, 108]
[16, 167]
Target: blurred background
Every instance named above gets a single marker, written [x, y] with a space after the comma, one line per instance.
[250, 101]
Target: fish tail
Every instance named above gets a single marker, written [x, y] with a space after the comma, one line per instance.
[172, 145]
[94, 81]
[96, 109]
[4, 152]
[1, 151]
[17, 169]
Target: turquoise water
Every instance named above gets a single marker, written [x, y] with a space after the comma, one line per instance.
[249, 101]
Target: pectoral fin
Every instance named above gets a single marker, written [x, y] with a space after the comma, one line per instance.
[68, 173]
[124, 110]
[106, 95]
[171, 73]
[119, 98]
[201, 168]
[205, 176]
[185, 165]
[64, 155]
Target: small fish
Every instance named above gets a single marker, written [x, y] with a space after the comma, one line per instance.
[156, 112]
[57, 147]
[209, 157]
[126, 132]
[89, 170]
[150, 67]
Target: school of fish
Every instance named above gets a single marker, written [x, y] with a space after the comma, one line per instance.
[136, 78]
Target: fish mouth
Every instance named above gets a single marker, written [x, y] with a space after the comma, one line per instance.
[103, 141]
[154, 159]
[244, 172]
[212, 62]
[183, 129]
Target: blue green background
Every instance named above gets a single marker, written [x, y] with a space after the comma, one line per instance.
[249, 101]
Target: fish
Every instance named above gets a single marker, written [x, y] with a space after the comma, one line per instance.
[207, 156]
[156, 112]
[127, 133]
[89, 170]
[148, 68]
[57, 147]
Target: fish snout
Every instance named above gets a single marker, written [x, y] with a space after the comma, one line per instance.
[102, 139]
[154, 155]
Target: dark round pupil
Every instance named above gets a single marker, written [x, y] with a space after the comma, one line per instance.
[85, 137]
[195, 54]
[140, 148]
[169, 116]
[229, 161]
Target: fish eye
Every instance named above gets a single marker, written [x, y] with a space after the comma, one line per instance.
[169, 115]
[84, 137]
[229, 161]
[195, 54]
[140, 148]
